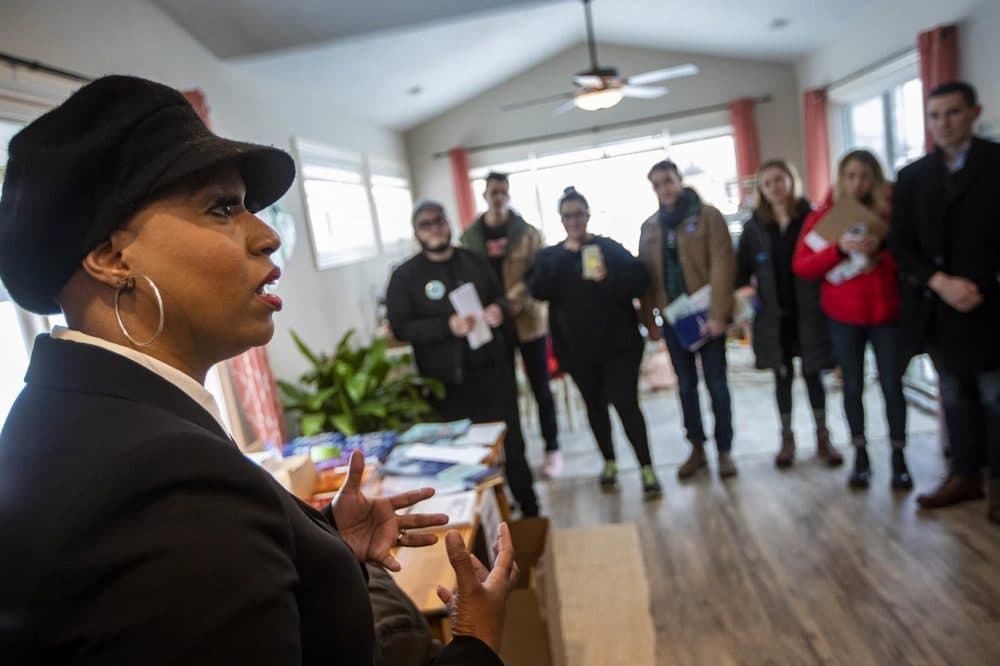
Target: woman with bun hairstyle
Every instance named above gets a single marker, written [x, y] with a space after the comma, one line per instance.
[590, 282]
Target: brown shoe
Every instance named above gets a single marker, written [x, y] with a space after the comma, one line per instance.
[993, 512]
[826, 451]
[954, 490]
[786, 456]
[695, 462]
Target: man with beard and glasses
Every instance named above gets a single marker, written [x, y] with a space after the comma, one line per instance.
[479, 384]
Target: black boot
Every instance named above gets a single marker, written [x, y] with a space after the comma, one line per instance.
[901, 479]
[861, 475]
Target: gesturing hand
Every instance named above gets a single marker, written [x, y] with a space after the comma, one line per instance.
[478, 604]
[370, 525]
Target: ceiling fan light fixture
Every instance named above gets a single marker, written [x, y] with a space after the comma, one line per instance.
[596, 100]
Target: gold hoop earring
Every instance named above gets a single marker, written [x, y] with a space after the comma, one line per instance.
[128, 284]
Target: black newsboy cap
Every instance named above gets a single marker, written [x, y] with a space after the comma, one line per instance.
[80, 171]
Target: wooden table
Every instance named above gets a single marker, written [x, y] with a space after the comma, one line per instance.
[423, 569]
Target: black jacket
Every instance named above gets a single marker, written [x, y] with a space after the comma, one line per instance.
[951, 223]
[589, 320]
[755, 257]
[419, 309]
[135, 532]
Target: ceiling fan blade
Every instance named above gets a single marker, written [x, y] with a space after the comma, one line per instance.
[565, 107]
[535, 102]
[644, 92]
[662, 74]
[588, 81]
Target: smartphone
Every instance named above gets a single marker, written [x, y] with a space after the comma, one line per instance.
[593, 261]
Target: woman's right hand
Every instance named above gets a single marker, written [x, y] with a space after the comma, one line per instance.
[478, 604]
[747, 293]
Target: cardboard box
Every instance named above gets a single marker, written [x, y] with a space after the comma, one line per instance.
[847, 213]
[525, 634]
[529, 536]
[298, 475]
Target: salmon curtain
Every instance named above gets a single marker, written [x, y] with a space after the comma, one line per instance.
[817, 144]
[744, 122]
[938, 50]
[463, 186]
[251, 371]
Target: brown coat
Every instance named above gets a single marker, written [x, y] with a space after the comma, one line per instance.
[706, 252]
[524, 242]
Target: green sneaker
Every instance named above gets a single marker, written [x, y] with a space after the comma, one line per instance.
[609, 475]
[650, 484]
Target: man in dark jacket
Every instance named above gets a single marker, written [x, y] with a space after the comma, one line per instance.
[510, 243]
[479, 383]
[946, 237]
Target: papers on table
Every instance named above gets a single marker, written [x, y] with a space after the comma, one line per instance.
[463, 455]
[459, 507]
[466, 302]
[433, 432]
[481, 434]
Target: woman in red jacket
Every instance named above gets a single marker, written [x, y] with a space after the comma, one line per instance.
[860, 295]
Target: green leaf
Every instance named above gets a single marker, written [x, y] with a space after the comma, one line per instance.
[315, 402]
[312, 424]
[372, 409]
[357, 387]
[344, 423]
[308, 353]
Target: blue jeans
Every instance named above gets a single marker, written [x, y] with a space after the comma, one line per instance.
[713, 367]
[849, 342]
[971, 405]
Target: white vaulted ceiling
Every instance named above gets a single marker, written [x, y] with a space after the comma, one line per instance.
[361, 57]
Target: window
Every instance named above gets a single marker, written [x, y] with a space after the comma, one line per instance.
[337, 206]
[393, 202]
[613, 178]
[883, 112]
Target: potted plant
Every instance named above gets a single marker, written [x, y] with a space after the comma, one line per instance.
[358, 390]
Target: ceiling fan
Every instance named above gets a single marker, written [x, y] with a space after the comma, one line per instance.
[601, 87]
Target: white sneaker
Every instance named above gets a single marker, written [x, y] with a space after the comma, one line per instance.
[553, 464]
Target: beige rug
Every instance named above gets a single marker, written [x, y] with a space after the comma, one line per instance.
[599, 580]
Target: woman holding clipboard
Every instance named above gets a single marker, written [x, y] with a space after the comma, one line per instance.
[843, 244]
[589, 282]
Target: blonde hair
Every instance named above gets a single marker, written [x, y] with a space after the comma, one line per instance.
[761, 206]
[878, 199]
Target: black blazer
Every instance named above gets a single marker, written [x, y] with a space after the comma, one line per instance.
[951, 223]
[135, 532]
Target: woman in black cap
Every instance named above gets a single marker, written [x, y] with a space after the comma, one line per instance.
[134, 531]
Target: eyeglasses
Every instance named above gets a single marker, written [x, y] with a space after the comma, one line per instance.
[580, 215]
[434, 222]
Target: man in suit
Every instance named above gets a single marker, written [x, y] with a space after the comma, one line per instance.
[946, 237]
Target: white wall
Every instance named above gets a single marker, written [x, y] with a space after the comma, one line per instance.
[480, 120]
[893, 25]
[133, 37]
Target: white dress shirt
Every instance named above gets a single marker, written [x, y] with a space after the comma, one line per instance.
[185, 383]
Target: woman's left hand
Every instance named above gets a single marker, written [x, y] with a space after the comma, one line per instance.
[370, 525]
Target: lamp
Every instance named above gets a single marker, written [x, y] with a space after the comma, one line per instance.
[596, 100]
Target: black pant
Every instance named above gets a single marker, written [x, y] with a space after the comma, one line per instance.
[784, 375]
[713, 367]
[971, 404]
[536, 367]
[489, 394]
[614, 380]
[849, 342]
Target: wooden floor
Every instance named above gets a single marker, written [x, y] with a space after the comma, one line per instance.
[792, 568]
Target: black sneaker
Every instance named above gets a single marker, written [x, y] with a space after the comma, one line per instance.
[650, 484]
[861, 475]
[901, 479]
